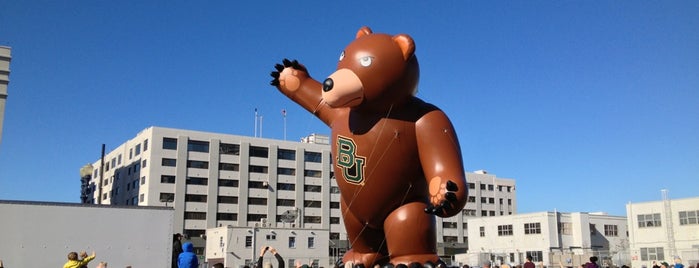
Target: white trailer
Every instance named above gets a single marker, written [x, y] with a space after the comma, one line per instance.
[41, 234]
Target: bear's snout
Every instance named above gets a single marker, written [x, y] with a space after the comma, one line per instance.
[328, 85]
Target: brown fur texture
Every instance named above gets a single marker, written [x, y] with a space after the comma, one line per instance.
[397, 159]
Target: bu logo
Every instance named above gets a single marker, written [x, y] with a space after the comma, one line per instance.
[351, 164]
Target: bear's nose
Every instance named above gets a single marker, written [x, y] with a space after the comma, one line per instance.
[327, 85]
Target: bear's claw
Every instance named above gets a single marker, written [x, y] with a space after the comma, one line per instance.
[279, 68]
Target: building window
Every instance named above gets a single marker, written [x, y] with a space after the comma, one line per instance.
[491, 213]
[257, 185]
[311, 219]
[228, 166]
[334, 236]
[198, 146]
[197, 164]
[167, 179]
[311, 204]
[169, 162]
[446, 224]
[286, 186]
[334, 220]
[145, 145]
[189, 215]
[469, 212]
[652, 254]
[505, 230]
[226, 216]
[170, 143]
[484, 213]
[228, 200]
[143, 163]
[227, 183]
[143, 180]
[471, 185]
[537, 256]
[313, 157]
[334, 204]
[292, 242]
[259, 151]
[482, 231]
[565, 228]
[286, 171]
[593, 229]
[334, 190]
[271, 236]
[118, 161]
[611, 230]
[490, 187]
[195, 198]
[532, 228]
[483, 186]
[286, 202]
[197, 181]
[258, 169]
[311, 242]
[256, 217]
[649, 220]
[248, 241]
[286, 154]
[491, 200]
[226, 148]
[471, 199]
[141, 197]
[312, 173]
[484, 200]
[312, 188]
[257, 201]
[138, 149]
[451, 239]
[689, 217]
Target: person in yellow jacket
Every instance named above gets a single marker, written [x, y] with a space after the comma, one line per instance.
[73, 261]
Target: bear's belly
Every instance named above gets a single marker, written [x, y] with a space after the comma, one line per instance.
[379, 170]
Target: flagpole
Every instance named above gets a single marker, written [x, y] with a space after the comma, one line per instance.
[284, 114]
[255, 134]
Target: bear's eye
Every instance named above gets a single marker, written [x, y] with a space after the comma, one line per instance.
[342, 55]
[366, 61]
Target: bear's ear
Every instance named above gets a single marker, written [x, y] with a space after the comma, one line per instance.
[406, 44]
[363, 31]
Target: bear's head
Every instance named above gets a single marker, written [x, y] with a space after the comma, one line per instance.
[375, 71]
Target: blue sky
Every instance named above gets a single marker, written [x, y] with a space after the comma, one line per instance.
[588, 105]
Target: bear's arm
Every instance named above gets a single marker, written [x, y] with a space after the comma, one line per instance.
[440, 157]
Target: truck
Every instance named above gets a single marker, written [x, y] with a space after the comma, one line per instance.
[41, 234]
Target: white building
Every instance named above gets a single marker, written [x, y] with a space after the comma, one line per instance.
[664, 230]
[549, 237]
[488, 196]
[216, 180]
[238, 246]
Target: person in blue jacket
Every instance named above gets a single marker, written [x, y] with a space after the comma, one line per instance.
[187, 258]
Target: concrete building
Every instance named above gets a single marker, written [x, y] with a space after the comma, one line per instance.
[5, 57]
[239, 246]
[488, 196]
[217, 180]
[663, 231]
[551, 238]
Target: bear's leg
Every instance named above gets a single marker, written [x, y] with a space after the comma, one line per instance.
[410, 234]
[367, 244]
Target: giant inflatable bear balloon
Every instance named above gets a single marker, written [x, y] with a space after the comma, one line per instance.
[396, 158]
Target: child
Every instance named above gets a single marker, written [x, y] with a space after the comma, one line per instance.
[73, 261]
